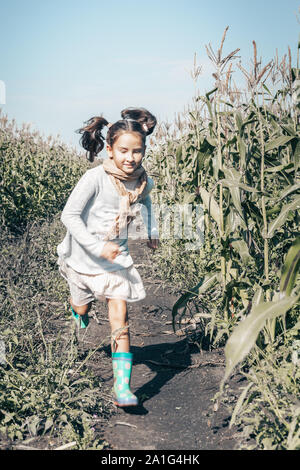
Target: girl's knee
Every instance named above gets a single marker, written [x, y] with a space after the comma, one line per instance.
[118, 317]
[82, 309]
[117, 311]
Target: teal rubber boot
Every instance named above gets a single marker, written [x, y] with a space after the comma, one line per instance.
[122, 366]
[81, 320]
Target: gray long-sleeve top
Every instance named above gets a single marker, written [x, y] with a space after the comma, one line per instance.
[89, 213]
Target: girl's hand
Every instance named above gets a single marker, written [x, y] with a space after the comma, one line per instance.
[153, 243]
[110, 251]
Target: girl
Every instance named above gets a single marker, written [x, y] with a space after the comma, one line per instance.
[94, 256]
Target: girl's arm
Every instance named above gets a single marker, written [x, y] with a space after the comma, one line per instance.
[84, 190]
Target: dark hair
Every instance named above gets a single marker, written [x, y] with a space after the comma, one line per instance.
[141, 121]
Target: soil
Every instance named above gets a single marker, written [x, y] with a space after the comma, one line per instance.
[174, 380]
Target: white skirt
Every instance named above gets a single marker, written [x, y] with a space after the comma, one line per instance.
[124, 284]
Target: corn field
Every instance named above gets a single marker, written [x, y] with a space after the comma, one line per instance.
[238, 155]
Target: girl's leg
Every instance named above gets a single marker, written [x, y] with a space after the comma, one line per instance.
[82, 309]
[80, 313]
[121, 357]
[118, 318]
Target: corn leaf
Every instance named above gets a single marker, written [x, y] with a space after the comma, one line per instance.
[242, 248]
[209, 280]
[282, 217]
[239, 403]
[178, 154]
[289, 190]
[258, 297]
[181, 303]
[239, 121]
[234, 175]
[230, 183]
[232, 221]
[290, 268]
[276, 169]
[242, 151]
[202, 286]
[245, 334]
[210, 204]
[278, 142]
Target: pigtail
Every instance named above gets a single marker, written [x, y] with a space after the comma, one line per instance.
[92, 140]
[146, 120]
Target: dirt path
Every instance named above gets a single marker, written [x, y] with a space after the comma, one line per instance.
[173, 381]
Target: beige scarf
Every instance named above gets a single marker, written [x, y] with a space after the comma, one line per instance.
[126, 215]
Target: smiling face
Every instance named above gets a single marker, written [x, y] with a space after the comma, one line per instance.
[127, 151]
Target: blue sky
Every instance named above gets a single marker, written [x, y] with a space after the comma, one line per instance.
[63, 61]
